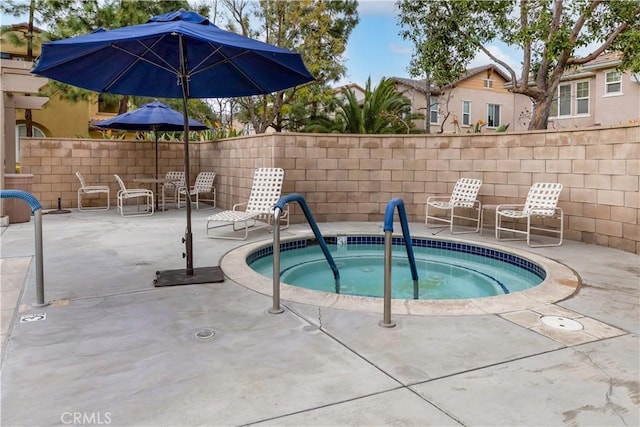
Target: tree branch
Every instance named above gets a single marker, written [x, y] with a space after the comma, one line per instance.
[579, 61]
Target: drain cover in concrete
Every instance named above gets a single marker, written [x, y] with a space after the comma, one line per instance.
[204, 334]
[558, 322]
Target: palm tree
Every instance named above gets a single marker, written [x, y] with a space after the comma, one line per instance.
[383, 110]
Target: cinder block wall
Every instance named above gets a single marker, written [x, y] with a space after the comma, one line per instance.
[352, 177]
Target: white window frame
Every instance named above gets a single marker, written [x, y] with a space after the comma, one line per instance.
[488, 83]
[556, 102]
[466, 115]
[582, 98]
[494, 125]
[607, 83]
[434, 109]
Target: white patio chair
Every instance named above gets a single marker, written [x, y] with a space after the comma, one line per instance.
[86, 190]
[169, 190]
[265, 192]
[203, 185]
[125, 194]
[464, 195]
[542, 204]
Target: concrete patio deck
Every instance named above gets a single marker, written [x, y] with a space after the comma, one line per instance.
[115, 350]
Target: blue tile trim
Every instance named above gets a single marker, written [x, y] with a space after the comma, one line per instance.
[416, 242]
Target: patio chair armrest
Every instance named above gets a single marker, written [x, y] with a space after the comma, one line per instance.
[507, 206]
[467, 203]
[238, 205]
[435, 198]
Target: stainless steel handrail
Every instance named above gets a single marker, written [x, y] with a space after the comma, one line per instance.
[398, 203]
[278, 209]
[36, 208]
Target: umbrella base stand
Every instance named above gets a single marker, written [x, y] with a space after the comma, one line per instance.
[180, 277]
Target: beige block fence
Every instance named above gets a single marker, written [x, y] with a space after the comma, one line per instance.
[352, 177]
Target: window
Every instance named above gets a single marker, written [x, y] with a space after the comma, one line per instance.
[21, 130]
[466, 113]
[582, 98]
[488, 84]
[561, 104]
[613, 82]
[493, 115]
[433, 113]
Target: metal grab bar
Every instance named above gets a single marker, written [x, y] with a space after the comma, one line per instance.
[398, 203]
[36, 208]
[279, 207]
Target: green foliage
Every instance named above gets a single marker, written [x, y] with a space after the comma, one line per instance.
[316, 29]
[383, 110]
[448, 34]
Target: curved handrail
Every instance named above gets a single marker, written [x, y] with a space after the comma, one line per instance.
[388, 226]
[34, 204]
[36, 209]
[278, 208]
[397, 202]
[295, 197]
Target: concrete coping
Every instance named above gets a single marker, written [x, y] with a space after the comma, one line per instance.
[560, 283]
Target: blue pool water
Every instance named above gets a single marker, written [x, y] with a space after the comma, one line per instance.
[446, 270]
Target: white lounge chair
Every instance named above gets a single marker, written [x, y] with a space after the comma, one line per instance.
[175, 180]
[541, 203]
[265, 192]
[86, 190]
[464, 195]
[203, 185]
[125, 194]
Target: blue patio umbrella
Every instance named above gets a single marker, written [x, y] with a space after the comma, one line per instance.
[154, 116]
[176, 55]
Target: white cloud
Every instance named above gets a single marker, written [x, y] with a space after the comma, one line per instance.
[399, 49]
[377, 7]
[505, 54]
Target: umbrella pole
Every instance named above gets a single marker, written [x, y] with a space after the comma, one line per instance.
[156, 132]
[188, 238]
[202, 274]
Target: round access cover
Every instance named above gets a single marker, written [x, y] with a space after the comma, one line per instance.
[558, 322]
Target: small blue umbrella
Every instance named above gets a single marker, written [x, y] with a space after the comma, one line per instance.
[154, 116]
[176, 55]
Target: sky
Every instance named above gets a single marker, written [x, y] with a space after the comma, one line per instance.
[375, 49]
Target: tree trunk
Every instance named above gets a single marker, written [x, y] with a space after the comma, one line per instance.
[540, 114]
[123, 107]
[28, 115]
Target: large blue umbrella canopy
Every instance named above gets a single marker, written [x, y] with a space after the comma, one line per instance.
[176, 55]
[154, 116]
[151, 59]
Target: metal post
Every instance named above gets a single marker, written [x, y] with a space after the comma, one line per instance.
[276, 309]
[386, 321]
[37, 217]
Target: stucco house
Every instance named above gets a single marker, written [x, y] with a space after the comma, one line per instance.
[478, 96]
[57, 117]
[596, 94]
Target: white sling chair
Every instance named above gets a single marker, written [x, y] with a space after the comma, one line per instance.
[86, 190]
[175, 180]
[541, 203]
[265, 192]
[125, 194]
[464, 195]
[203, 185]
